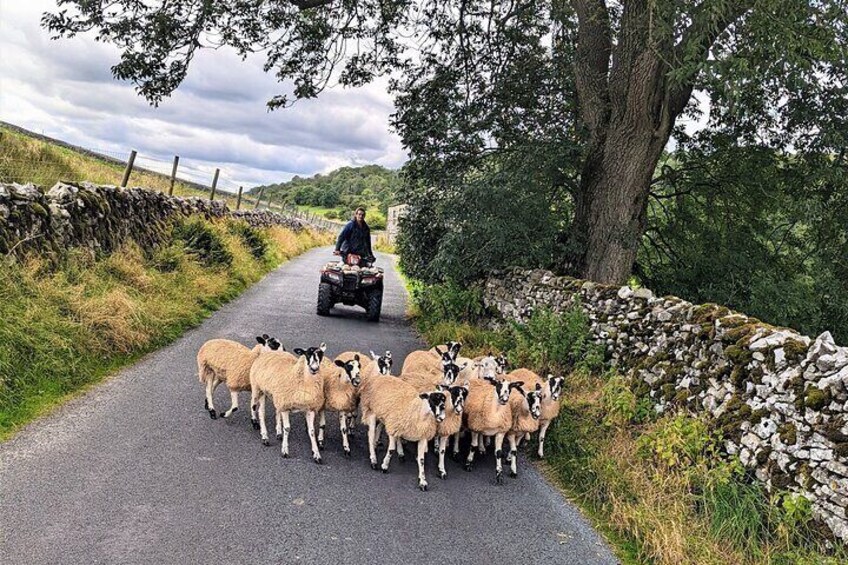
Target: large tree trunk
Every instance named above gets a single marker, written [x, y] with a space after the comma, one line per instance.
[611, 206]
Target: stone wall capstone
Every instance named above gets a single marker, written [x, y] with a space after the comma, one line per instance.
[780, 398]
[102, 217]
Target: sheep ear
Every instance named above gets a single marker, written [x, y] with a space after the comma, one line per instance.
[549, 377]
[373, 355]
[261, 339]
[517, 384]
[323, 346]
[298, 351]
[424, 396]
[439, 351]
[388, 354]
[356, 357]
[266, 336]
[464, 365]
[444, 387]
[490, 380]
[339, 363]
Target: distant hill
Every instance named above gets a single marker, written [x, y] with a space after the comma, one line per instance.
[342, 190]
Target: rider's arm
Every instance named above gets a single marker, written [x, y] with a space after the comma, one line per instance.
[342, 237]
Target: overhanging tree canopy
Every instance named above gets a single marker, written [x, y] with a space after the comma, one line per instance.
[605, 82]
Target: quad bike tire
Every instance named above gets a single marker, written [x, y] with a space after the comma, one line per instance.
[325, 299]
[375, 304]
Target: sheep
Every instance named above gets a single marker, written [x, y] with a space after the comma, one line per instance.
[489, 414]
[293, 388]
[451, 347]
[407, 414]
[550, 408]
[452, 423]
[526, 410]
[341, 395]
[226, 361]
[429, 380]
[425, 361]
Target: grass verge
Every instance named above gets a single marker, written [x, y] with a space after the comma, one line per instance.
[660, 489]
[66, 327]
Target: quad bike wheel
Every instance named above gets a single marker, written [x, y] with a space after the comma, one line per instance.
[325, 299]
[375, 304]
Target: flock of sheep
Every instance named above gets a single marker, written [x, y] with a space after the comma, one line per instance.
[437, 395]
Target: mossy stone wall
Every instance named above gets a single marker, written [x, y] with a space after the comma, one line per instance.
[780, 398]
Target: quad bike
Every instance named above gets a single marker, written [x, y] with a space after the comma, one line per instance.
[353, 283]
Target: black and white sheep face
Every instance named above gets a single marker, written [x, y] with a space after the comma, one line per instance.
[436, 402]
[314, 356]
[458, 396]
[502, 364]
[384, 362]
[269, 343]
[503, 388]
[351, 370]
[451, 372]
[555, 385]
[534, 401]
[451, 353]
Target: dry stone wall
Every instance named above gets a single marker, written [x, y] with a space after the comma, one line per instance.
[101, 218]
[779, 397]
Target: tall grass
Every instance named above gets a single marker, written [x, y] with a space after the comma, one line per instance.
[659, 487]
[63, 328]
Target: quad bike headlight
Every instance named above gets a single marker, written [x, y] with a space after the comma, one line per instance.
[335, 277]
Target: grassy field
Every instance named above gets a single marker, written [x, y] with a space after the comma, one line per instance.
[28, 159]
[658, 487]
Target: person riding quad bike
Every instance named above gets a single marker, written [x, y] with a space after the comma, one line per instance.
[355, 238]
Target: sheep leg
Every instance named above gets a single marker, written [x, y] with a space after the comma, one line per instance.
[372, 440]
[279, 425]
[513, 455]
[233, 405]
[379, 434]
[498, 456]
[322, 423]
[254, 405]
[469, 462]
[401, 454]
[284, 449]
[388, 458]
[443, 444]
[456, 437]
[310, 424]
[211, 384]
[543, 429]
[422, 449]
[343, 428]
[263, 430]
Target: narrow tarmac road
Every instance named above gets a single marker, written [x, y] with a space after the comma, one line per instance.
[135, 471]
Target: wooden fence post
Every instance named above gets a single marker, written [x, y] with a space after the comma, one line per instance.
[214, 184]
[174, 174]
[259, 198]
[238, 200]
[129, 169]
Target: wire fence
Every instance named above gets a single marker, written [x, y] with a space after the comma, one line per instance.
[29, 160]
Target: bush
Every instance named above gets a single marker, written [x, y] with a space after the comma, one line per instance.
[255, 240]
[554, 342]
[448, 302]
[201, 241]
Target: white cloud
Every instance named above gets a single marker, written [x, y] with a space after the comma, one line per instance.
[217, 118]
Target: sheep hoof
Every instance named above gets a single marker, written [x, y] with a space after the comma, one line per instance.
[280, 437]
[318, 460]
[499, 478]
[443, 475]
[423, 487]
[469, 467]
[265, 442]
[513, 474]
[212, 414]
[347, 453]
[206, 404]
[374, 466]
[385, 470]
[379, 443]
[402, 458]
[455, 456]
[284, 455]
[321, 444]
[255, 424]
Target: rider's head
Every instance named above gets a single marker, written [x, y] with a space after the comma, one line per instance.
[359, 214]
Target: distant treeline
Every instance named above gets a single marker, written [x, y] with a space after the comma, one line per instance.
[342, 190]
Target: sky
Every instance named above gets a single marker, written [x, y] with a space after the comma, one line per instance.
[216, 118]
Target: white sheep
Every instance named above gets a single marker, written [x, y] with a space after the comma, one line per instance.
[456, 396]
[293, 388]
[526, 409]
[226, 361]
[551, 391]
[407, 414]
[489, 413]
[341, 394]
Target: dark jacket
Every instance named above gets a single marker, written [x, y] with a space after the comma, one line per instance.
[355, 239]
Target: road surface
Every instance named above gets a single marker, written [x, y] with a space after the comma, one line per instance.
[135, 471]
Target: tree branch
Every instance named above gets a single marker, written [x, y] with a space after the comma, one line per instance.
[308, 4]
